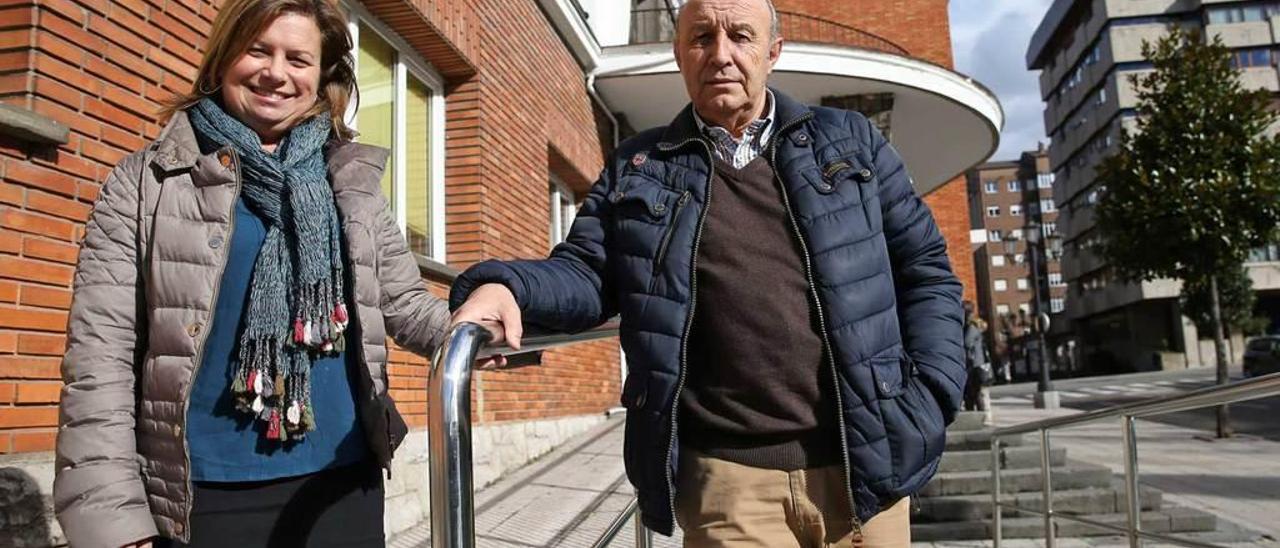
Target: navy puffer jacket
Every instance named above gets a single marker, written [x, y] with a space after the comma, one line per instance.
[889, 304]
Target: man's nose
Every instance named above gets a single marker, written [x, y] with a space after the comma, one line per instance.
[721, 51]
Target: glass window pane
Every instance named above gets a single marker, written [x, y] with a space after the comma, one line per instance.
[376, 118]
[418, 166]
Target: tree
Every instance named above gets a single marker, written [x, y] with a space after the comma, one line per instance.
[1236, 300]
[1197, 185]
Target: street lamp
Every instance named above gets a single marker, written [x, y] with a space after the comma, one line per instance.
[1046, 396]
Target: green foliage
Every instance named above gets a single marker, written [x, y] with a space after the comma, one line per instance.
[1198, 184]
[1236, 298]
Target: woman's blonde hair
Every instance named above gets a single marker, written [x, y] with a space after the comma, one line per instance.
[240, 22]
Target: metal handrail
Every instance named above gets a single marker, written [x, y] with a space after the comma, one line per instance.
[1214, 396]
[449, 428]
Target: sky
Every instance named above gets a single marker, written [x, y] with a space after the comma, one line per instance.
[989, 39]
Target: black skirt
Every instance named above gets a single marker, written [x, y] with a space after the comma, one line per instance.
[336, 507]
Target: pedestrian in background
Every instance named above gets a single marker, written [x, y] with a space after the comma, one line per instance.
[226, 361]
[977, 395]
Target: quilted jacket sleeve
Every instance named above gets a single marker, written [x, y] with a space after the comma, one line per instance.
[98, 491]
[928, 293]
[567, 292]
[415, 319]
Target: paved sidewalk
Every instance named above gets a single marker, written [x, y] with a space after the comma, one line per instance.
[568, 497]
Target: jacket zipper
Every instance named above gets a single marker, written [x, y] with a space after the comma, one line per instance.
[688, 322]
[822, 319]
[199, 356]
[666, 238]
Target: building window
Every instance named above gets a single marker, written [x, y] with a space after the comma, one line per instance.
[1048, 206]
[1057, 305]
[994, 235]
[993, 211]
[401, 108]
[1001, 285]
[997, 260]
[1024, 309]
[1002, 309]
[1251, 57]
[1044, 180]
[1015, 210]
[1055, 279]
[990, 187]
[1019, 258]
[1015, 186]
[1049, 229]
[1022, 284]
[562, 209]
[1015, 234]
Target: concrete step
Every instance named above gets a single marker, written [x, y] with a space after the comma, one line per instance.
[1073, 475]
[976, 440]
[968, 421]
[1093, 500]
[1169, 520]
[1013, 457]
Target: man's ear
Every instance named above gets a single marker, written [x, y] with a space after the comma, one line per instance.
[775, 51]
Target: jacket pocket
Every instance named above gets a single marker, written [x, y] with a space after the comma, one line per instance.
[915, 435]
[661, 257]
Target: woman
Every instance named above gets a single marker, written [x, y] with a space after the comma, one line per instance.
[226, 361]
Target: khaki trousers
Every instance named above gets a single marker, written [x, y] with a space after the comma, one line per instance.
[721, 503]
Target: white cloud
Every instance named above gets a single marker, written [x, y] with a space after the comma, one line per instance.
[990, 39]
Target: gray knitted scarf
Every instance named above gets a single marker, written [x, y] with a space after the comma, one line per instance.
[296, 309]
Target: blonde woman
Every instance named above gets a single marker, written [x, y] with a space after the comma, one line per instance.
[226, 362]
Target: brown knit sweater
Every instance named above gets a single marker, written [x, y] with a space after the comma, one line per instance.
[757, 391]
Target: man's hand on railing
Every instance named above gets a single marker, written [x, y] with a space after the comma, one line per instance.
[493, 307]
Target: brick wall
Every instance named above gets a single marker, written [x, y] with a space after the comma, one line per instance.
[920, 26]
[97, 67]
[516, 107]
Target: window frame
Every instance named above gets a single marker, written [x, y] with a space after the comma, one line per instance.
[557, 190]
[409, 63]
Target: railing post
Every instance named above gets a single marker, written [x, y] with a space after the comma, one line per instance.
[1133, 499]
[997, 533]
[1047, 478]
[449, 437]
[644, 537]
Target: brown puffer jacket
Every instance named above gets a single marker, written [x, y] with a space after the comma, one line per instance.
[153, 255]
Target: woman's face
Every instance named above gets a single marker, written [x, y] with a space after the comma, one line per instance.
[273, 84]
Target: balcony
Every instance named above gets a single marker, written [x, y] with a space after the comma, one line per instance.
[940, 121]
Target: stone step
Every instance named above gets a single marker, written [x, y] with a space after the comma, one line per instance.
[1013, 457]
[1166, 521]
[976, 440]
[1073, 475]
[1093, 500]
[968, 421]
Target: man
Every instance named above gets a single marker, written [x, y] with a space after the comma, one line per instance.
[792, 326]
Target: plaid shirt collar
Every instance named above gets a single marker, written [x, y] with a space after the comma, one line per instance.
[740, 152]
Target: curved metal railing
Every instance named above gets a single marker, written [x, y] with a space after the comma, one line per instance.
[449, 429]
[1214, 396]
[656, 25]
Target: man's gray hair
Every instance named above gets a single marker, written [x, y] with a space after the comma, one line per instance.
[775, 25]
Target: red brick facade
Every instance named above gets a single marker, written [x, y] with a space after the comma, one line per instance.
[517, 111]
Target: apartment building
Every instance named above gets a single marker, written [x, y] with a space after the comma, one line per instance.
[1007, 200]
[1086, 50]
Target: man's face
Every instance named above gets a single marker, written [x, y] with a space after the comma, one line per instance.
[725, 54]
